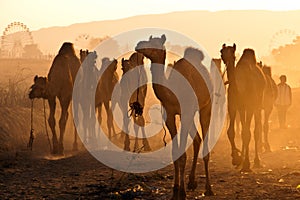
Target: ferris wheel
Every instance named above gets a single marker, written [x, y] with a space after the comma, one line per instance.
[281, 38]
[15, 37]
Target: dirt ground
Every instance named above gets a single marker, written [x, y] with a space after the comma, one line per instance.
[78, 175]
[38, 175]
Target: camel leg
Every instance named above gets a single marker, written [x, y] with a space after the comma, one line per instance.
[141, 123]
[91, 124]
[266, 130]
[205, 115]
[242, 114]
[192, 184]
[237, 123]
[75, 144]
[236, 158]
[182, 164]
[257, 135]
[75, 120]
[170, 123]
[51, 122]
[187, 124]
[62, 123]
[125, 129]
[86, 124]
[109, 118]
[246, 136]
[136, 131]
[99, 109]
[99, 115]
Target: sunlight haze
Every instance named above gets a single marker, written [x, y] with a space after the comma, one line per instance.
[41, 14]
[261, 25]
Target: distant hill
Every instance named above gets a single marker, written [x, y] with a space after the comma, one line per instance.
[210, 29]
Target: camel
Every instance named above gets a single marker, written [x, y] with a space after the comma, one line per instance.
[83, 54]
[88, 60]
[154, 49]
[247, 84]
[137, 100]
[104, 91]
[59, 83]
[233, 99]
[270, 95]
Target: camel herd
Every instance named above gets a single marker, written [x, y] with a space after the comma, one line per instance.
[251, 89]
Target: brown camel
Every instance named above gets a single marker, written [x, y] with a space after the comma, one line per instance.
[233, 98]
[154, 49]
[270, 95]
[249, 83]
[137, 98]
[83, 54]
[59, 83]
[104, 90]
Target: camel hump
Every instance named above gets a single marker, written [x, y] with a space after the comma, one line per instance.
[199, 79]
[249, 75]
[67, 49]
[58, 66]
[60, 76]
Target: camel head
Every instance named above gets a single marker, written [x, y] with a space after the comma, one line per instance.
[267, 70]
[89, 58]
[154, 48]
[260, 64]
[126, 65]
[83, 54]
[136, 59]
[228, 54]
[39, 88]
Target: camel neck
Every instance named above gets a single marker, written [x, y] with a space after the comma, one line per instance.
[158, 76]
[160, 58]
[157, 67]
[231, 72]
[157, 72]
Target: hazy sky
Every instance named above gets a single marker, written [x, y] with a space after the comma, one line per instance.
[38, 14]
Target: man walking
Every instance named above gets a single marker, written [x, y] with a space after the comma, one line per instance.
[283, 101]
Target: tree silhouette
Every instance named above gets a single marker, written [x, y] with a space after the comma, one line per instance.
[287, 55]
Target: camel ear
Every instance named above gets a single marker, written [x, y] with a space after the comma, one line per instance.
[80, 50]
[223, 46]
[150, 38]
[35, 78]
[234, 46]
[163, 38]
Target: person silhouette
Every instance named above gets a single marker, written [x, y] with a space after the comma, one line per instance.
[283, 101]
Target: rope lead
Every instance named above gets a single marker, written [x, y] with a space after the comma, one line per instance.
[31, 137]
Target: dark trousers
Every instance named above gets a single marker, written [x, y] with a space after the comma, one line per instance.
[282, 115]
